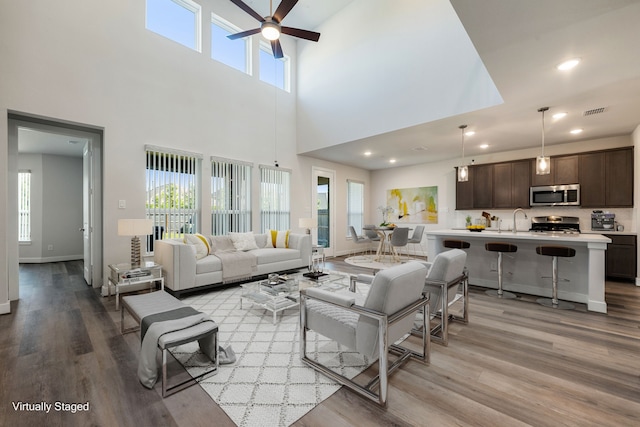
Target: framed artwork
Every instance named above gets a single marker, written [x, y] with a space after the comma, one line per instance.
[413, 205]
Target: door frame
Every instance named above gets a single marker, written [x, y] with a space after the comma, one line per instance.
[95, 137]
[317, 172]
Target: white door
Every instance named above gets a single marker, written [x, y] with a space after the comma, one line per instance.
[87, 201]
[323, 195]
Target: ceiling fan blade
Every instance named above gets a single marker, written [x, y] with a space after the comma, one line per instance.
[277, 49]
[247, 9]
[243, 34]
[283, 9]
[303, 34]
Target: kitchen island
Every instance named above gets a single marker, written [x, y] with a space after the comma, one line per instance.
[523, 270]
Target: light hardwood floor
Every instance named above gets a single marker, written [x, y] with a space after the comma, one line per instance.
[515, 363]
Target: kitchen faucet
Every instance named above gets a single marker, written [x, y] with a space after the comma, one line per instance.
[514, 218]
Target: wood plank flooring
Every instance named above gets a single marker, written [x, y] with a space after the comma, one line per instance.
[515, 364]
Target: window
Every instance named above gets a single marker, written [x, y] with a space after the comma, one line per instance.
[24, 206]
[234, 53]
[178, 20]
[272, 70]
[230, 196]
[172, 193]
[355, 205]
[275, 198]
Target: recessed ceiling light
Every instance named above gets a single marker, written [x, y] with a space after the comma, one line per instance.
[558, 116]
[392, 161]
[470, 133]
[484, 146]
[575, 131]
[367, 153]
[567, 65]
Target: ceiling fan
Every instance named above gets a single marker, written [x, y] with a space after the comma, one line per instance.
[270, 26]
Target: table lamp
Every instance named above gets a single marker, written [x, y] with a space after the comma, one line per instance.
[135, 228]
[308, 224]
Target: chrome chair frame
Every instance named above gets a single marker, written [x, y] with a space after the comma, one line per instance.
[440, 332]
[384, 368]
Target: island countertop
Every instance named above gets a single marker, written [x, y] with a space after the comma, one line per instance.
[527, 272]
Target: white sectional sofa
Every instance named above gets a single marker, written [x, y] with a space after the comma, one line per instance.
[185, 268]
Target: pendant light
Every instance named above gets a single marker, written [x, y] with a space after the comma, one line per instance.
[543, 164]
[463, 170]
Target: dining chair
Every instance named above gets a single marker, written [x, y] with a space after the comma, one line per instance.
[416, 238]
[399, 239]
[360, 240]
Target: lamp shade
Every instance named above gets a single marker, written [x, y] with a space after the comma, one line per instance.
[308, 222]
[135, 227]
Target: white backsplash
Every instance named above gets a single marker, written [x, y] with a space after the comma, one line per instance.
[624, 216]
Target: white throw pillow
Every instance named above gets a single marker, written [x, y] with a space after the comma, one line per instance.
[279, 239]
[243, 241]
[200, 243]
[262, 240]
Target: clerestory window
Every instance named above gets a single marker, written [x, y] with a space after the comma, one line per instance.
[234, 53]
[274, 71]
[178, 20]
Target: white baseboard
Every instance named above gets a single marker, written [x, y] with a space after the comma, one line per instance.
[40, 260]
[5, 308]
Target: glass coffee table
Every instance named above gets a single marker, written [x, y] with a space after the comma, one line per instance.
[278, 295]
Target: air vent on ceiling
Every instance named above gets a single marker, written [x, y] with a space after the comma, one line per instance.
[421, 148]
[594, 111]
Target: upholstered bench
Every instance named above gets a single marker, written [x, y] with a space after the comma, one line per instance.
[165, 320]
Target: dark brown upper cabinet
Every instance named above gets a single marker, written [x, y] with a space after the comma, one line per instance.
[564, 170]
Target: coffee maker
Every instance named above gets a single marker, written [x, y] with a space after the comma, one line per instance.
[602, 220]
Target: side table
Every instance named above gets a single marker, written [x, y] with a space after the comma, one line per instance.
[124, 278]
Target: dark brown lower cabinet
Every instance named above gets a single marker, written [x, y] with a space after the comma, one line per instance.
[621, 261]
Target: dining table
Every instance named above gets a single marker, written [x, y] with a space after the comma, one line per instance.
[384, 232]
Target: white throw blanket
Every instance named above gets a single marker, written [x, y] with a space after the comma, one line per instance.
[237, 265]
[147, 364]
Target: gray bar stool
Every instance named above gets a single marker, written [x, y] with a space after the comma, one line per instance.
[501, 248]
[554, 252]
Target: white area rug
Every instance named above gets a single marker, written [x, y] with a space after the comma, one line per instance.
[268, 385]
[368, 261]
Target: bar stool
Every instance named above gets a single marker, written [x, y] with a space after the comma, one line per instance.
[501, 248]
[456, 244]
[554, 252]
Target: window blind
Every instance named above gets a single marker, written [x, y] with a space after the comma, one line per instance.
[275, 198]
[230, 196]
[24, 206]
[355, 205]
[172, 193]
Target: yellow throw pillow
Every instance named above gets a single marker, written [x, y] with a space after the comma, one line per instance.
[200, 243]
[279, 239]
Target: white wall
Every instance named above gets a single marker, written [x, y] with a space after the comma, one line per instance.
[56, 208]
[442, 174]
[93, 63]
[391, 83]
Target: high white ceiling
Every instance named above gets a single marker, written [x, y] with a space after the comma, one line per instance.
[519, 42]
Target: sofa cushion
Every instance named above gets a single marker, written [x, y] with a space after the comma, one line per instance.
[270, 255]
[200, 243]
[279, 238]
[222, 244]
[262, 240]
[208, 264]
[243, 241]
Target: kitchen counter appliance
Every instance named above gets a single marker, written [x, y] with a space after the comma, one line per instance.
[555, 224]
[555, 195]
[603, 221]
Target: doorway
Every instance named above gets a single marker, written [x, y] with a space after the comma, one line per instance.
[76, 143]
[323, 195]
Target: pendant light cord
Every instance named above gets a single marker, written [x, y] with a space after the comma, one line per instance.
[462, 128]
[542, 110]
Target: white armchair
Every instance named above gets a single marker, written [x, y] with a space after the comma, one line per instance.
[374, 329]
[445, 276]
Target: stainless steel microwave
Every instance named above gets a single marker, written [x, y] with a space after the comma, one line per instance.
[555, 195]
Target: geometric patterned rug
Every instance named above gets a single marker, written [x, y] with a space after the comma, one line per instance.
[268, 385]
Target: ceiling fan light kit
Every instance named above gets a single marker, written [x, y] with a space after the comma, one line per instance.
[270, 27]
[543, 163]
